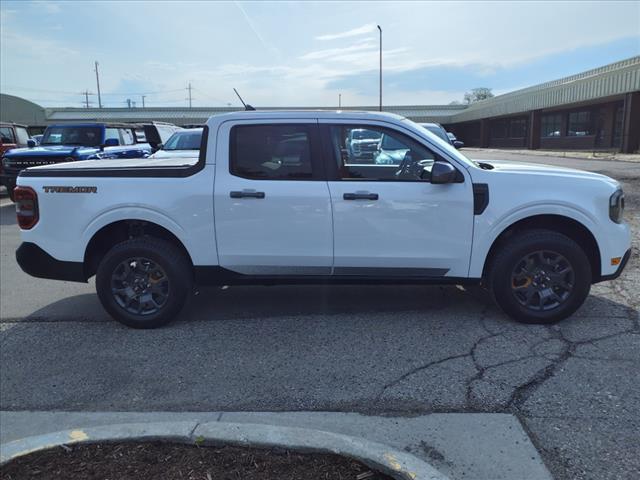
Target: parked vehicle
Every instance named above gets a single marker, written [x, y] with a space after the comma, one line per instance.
[73, 142]
[362, 144]
[454, 141]
[271, 199]
[156, 133]
[12, 135]
[441, 133]
[183, 143]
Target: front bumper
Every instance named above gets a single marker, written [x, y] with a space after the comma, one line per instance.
[618, 272]
[34, 261]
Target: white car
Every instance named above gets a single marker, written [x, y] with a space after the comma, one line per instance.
[182, 144]
[275, 198]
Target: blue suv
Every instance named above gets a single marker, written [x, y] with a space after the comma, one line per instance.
[72, 142]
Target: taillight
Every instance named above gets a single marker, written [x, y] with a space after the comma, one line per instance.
[26, 206]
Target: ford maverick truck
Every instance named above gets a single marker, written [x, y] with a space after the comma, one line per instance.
[72, 142]
[280, 198]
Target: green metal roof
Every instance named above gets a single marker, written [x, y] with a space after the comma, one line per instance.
[613, 79]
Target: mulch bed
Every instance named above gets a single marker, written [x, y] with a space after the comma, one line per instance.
[164, 461]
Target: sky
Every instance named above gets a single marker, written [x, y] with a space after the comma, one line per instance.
[301, 53]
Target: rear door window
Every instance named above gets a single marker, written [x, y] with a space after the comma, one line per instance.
[23, 135]
[6, 135]
[110, 133]
[272, 152]
[127, 136]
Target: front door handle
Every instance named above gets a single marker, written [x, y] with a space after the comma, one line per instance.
[246, 194]
[360, 196]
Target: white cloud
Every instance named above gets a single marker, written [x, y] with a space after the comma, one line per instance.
[349, 33]
[46, 6]
[331, 53]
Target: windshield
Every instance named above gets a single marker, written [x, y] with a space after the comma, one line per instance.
[390, 143]
[85, 136]
[184, 141]
[365, 135]
[438, 131]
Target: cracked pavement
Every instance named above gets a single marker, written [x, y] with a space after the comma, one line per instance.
[401, 350]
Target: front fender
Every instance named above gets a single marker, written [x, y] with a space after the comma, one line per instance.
[487, 228]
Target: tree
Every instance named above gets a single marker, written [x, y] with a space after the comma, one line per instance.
[455, 102]
[477, 94]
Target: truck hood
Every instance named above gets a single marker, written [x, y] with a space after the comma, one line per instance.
[48, 151]
[501, 166]
[176, 154]
[120, 163]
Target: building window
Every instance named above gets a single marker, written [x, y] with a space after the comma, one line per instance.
[518, 128]
[551, 125]
[499, 129]
[617, 127]
[579, 124]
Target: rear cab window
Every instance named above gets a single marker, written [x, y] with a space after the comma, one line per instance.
[274, 151]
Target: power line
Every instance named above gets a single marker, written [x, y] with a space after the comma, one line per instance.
[209, 96]
[26, 89]
[86, 98]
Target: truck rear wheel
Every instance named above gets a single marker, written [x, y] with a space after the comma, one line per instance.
[539, 276]
[144, 282]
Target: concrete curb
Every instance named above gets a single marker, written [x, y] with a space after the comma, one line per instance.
[398, 464]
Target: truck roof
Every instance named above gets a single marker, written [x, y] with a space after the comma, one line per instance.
[97, 124]
[304, 114]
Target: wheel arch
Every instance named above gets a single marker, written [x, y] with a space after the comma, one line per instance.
[568, 226]
[121, 230]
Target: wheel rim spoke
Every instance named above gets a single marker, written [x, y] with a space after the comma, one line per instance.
[140, 286]
[542, 280]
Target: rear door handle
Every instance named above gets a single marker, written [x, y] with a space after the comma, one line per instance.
[246, 194]
[360, 196]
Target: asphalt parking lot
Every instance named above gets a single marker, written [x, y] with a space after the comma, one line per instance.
[398, 350]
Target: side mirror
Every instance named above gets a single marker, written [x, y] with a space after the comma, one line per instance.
[442, 172]
[160, 146]
[31, 143]
[111, 142]
[458, 144]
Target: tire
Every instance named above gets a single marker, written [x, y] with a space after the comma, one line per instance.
[539, 276]
[144, 282]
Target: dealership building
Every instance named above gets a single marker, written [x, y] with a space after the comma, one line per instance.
[594, 110]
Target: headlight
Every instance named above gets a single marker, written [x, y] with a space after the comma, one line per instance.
[616, 206]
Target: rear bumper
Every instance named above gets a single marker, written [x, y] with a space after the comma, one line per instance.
[618, 272]
[34, 261]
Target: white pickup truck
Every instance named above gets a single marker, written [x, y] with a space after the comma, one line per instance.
[276, 198]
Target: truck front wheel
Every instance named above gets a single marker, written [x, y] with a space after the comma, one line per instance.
[144, 282]
[539, 276]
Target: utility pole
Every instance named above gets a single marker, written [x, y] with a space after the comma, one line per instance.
[128, 103]
[189, 88]
[98, 84]
[86, 98]
[339, 100]
[143, 97]
[379, 28]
